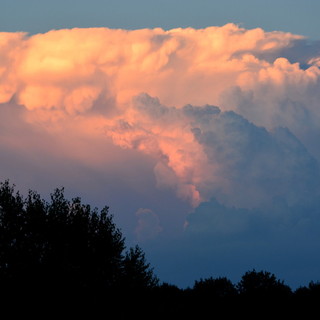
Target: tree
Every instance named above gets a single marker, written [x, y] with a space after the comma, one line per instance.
[311, 292]
[262, 284]
[64, 248]
[215, 288]
[137, 272]
[12, 230]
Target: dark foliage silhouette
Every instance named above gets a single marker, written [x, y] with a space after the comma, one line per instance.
[137, 272]
[308, 296]
[215, 288]
[262, 284]
[64, 250]
[63, 254]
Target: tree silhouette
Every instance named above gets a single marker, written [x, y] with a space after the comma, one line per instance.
[262, 284]
[212, 296]
[65, 249]
[215, 288]
[62, 253]
[262, 293]
[137, 272]
[307, 296]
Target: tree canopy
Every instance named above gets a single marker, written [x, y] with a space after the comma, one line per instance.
[62, 252]
[65, 247]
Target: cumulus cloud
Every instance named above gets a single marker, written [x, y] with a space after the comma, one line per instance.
[69, 69]
[276, 224]
[156, 92]
[216, 129]
[203, 152]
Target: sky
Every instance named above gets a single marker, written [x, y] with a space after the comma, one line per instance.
[196, 122]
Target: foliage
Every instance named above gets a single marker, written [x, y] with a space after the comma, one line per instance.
[137, 272]
[64, 246]
[262, 284]
[215, 288]
[64, 253]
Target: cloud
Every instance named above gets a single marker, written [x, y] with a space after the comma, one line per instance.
[222, 240]
[277, 223]
[257, 165]
[204, 152]
[215, 129]
[279, 94]
[156, 93]
[148, 224]
[49, 70]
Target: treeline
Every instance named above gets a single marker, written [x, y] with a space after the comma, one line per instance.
[258, 295]
[64, 255]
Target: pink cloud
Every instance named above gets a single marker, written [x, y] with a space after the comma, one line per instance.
[129, 88]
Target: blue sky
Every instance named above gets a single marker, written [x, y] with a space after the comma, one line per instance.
[301, 17]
